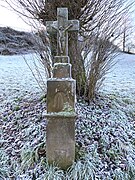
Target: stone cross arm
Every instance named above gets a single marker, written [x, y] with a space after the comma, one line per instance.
[51, 24]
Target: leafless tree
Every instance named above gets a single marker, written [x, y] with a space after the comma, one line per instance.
[127, 33]
[100, 26]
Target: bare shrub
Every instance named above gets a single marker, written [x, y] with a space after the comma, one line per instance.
[99, 62]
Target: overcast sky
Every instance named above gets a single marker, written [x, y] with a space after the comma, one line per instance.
[11, 19]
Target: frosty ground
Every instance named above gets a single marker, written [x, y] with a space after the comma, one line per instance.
[105, 130]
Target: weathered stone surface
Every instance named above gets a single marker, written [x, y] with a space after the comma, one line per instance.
[61, 141]
[62, 70]
[61, 59]
[60, 93]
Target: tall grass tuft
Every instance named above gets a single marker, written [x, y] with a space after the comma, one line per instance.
[3, 164]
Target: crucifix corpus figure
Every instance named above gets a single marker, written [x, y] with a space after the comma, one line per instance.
[62, 37]
[62, 26]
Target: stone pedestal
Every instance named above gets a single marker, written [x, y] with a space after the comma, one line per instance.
[61, 140]
[61, 94]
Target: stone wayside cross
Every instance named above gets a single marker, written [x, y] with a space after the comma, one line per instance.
[61, 94]
[62, 26]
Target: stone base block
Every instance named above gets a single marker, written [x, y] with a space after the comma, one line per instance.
[62, 70]
[60, 142]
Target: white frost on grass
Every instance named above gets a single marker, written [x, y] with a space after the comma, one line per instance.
[121, 78]
[15, 75]
[16, 78]
[105, 129]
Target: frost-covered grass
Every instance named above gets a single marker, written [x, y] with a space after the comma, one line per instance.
[105, 132]
[105, 142]
[3, 164]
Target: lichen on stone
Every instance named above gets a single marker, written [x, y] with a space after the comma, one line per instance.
[67, 108]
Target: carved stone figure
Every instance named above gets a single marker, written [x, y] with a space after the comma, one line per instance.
[62, 37]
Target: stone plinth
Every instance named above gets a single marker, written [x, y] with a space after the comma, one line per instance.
[60, 139]
[62, 70]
